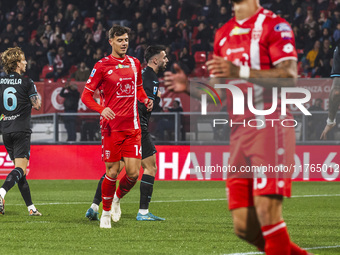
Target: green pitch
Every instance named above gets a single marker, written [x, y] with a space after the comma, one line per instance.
[197, 220]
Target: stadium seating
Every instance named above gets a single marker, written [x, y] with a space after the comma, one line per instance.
[46, 69]
[200, 56]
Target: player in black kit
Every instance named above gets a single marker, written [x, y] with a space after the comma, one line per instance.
[17, 97]
[157, 60]
[334, 96]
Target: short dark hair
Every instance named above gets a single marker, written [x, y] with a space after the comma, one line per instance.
[117, 30]
[152, 51]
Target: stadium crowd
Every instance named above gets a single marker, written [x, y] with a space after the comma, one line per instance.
[72, 34]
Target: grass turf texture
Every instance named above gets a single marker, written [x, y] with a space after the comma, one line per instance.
[193, 225]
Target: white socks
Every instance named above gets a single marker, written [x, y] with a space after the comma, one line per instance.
[31, 207]
[95, 207]
[115, 198]
[143, 211]
[3, 192]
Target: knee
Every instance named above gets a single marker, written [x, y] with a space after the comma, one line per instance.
[133, 175]
[111, 172]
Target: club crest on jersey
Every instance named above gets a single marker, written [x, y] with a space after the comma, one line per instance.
[119, 66]
[282, 27]
[93, 72]
[239, 31]
[256, 34]
[107, 153]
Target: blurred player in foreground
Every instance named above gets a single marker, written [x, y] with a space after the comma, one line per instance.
[255, 44]
[156, 58]
[18, 96]
[334, 96]
[119, 80]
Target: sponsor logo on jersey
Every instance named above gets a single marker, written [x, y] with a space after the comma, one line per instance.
[4, 117]
[288, 48]
[239, 31]
[229, 51]
[93, 72]
[282, 27]
[10, 81]
[155, 90]
[120, 66]
[287, 35]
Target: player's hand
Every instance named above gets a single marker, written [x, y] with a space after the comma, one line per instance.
[219, 67]
[159, 93]
[108, 114]
[325, 131]
[177, 82]
[149, 104]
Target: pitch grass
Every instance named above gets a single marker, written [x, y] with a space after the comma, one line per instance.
[193, 225]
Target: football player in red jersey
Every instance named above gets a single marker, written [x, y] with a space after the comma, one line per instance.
[119, 80]
[255, 44]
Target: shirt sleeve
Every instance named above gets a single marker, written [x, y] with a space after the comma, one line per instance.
[92, 84]
[32, 89]
[95, 78]
[281, 42]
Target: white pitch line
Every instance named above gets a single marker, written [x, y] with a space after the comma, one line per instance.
[311, 248]
[171, 201]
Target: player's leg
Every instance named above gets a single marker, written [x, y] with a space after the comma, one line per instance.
[108, 191]
[26, 195]
[148, 178]
[146, 189]
[16, 145]
[273, 147]
[126, 183]
[247, 226]
[241, 205]
[92, 213]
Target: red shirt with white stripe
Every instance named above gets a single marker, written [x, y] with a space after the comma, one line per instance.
[119, 81]
[260, 42]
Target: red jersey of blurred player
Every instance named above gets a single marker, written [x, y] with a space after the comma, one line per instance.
[260, 42]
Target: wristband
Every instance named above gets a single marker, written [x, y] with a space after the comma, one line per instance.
[331, 122]
[244, 72]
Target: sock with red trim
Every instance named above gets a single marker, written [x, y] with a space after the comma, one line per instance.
[277, 239]
[108, 191]
[125, 185]
[296, 250]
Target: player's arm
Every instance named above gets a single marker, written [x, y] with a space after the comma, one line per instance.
[141, 95]
[36, 102]
[334, 102]
[221, 68]
[143, 98]
[92, 84]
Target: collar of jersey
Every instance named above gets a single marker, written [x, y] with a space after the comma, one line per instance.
[118, 59]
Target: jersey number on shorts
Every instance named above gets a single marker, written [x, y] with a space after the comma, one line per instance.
[9, 95]
[138, 152]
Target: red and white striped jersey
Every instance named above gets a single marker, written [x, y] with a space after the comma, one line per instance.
[260, 42]
[117, 80]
